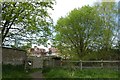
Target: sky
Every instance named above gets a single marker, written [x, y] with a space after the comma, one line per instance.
[63, 7]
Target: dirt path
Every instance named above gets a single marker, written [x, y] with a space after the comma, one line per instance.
[37, 75]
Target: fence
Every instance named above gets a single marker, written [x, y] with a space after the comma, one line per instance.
[91, 64]
[86, 64]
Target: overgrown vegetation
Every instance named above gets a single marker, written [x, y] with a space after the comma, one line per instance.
[9, 71]
[24, 21]
[16, 72]
[85, 73]
[102, 55]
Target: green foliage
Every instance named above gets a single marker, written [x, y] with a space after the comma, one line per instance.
[97, 73]
[76, 31]
[108, 14]
[26, 21]
[85, 73]
[87, 29]
[102, 55]
[60, 73]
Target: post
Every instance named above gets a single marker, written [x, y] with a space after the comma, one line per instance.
[42, 60]
[53, 62]
[81, 64]
[61, 62]
[101, 63]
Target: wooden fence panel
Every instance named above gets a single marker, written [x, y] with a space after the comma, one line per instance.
[87, 64]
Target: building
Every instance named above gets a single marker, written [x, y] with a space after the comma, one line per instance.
[40, 56]
[36, 51]
[53, 51]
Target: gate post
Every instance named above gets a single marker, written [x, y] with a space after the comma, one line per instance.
[81, 64]
[101, 63]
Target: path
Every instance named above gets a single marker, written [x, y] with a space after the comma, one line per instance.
[37, 75]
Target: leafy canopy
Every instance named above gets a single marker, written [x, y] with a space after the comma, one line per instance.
[26, 22]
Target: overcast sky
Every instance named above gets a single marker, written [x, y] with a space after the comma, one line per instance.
[63, 7]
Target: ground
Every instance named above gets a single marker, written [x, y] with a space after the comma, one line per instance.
[37, 74]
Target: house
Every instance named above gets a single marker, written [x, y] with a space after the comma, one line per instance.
[36, 51]
[53, 52]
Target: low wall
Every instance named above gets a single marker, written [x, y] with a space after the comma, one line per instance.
[13, 56]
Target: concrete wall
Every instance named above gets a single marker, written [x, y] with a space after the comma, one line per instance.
[37, 62]
[52, 62]
[13, 56]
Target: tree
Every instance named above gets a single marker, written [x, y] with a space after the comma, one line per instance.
[88, 29]
[108, 13]
[78, 30]
[26, 21]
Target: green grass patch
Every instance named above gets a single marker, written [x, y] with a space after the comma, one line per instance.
[16, 72]
[96, 73]
[9, 71]
[77, 73]
[56, 73]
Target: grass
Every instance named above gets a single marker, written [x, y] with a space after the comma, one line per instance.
[85, 73]
[55, 73]
[16, 72]
[0, 70]
[96, 73]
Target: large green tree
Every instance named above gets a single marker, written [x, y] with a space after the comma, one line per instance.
[78, 30]
[24, 22]
[88, 29]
